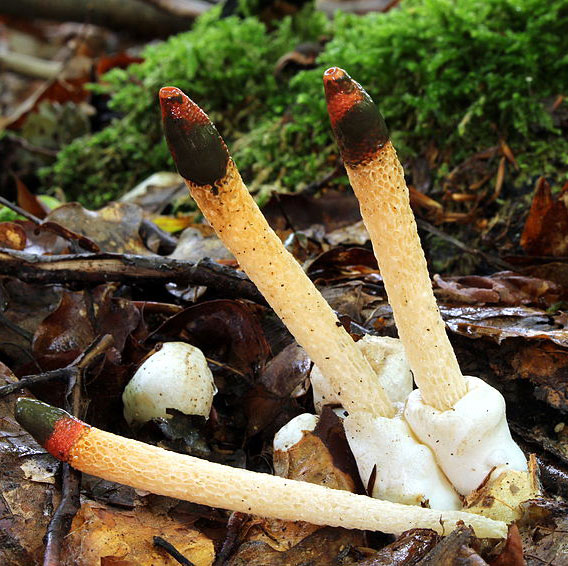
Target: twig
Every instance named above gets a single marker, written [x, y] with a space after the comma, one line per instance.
[29, 65]
[18, 210]
[30, 380]
[490, 259]
[172, 551]
[104, 267]
[71, 479]
[234, 525]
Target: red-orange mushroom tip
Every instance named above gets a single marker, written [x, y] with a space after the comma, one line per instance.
[359, 128]
[199, 152]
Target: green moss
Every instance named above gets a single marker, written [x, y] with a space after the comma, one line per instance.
[461, 74]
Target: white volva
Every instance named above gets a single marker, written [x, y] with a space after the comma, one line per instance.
[406, 470]
[386, 356]
[470, 439]
[175, 377]
[292, 432]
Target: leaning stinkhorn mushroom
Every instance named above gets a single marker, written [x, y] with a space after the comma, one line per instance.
[159, 471]
[215, 184]
[461, 418]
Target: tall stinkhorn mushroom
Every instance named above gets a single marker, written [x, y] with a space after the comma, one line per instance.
[461, 418]
[154, 469]
[215, 184]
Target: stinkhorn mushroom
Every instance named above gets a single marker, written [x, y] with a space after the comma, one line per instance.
[159, 471]
[176, 376]
[461, 419]
[209, 172]
[216, 185]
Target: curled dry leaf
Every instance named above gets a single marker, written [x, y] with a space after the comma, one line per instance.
[115, 228]
[505, 288]
[103, 535]
[546, 228]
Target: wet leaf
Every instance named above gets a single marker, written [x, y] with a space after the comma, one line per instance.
[512, 554]
[325, 546]
[288, 369]
[406, 550]
[343, 263]
[543, 533]
[28, 201]
[454, 550]
[24, 501]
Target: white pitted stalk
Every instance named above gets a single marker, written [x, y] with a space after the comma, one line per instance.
[163, 472]
[216, 185]
[175, 376]
[447, 408]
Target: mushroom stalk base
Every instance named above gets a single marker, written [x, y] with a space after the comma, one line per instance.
[383, 196]
[238, 221]
[150, 468]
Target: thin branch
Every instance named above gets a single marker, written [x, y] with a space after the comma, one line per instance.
[172, 551]
[127, 268]
[490, 259]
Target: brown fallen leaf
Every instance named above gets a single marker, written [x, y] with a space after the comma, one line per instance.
[408, 549]
[115, 228]
[544, 533]
[326, 546]
[512, 554]
[546, 228]
[505, 288]
[103, 535]
[454, 550]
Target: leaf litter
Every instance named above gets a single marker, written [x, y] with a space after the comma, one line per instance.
[263, 381]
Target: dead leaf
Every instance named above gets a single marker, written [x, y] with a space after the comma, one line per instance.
[115, 228]
[546, 228]
[505, 287]
[325, 546]
[102, 535]
[12, 236]
[512, 554]
[454, 550]
[406, 550]
[29, 202]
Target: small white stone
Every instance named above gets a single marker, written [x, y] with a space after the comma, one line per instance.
[406, 471]
[292, 432]
[470, 439]
[387, 358]
[174, 377]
